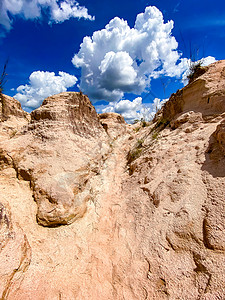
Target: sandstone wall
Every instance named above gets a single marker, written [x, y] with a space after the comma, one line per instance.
[93, 208]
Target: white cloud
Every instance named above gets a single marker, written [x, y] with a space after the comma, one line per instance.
[120, 59]
[208, 60]
[117, 72]
[41, 85]
[133, 110]
[68, 9]
[205, 61]
[59, 11]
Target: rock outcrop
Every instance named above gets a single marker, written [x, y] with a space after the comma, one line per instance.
[10, 107]
[113, 124]
[93, 208]
[58, 152]
[204, 95]
[12, 117]
[15, 253]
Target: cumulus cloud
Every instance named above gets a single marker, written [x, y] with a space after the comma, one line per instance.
[119, 59]
[133, 110]
[58, 11]
[41, 85]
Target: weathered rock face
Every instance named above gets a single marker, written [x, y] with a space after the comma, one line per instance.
[58, 152]
[113, 124]
[66, 112]
[12, 117]
[143, 210]
[204, 95]
[15, 254]
[181, 175]
[10, 107]
[220, 136]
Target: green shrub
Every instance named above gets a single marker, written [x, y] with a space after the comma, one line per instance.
[136, 152]
[162, 123]
[155, 135]
[133, 154]
[140, 143]
[143, 122]
[196, 69]
[137, 129]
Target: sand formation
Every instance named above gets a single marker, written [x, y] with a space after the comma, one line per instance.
[94, 208]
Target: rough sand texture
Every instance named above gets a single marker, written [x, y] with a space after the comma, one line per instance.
[93, 208]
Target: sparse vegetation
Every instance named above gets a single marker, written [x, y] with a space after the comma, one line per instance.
[2, 84]
[155, 135]
[140, 143]
[13, 133]
[3, 78]
[161, 123]
[196, 69]
[134, 153]
[159, 126]
[143, 122]
[136, 129]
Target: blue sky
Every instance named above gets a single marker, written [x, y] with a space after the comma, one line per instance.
[140, 60]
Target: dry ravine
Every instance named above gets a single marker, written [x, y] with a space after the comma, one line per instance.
[94, 208]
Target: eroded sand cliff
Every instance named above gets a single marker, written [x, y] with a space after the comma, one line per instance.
[93, 208]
